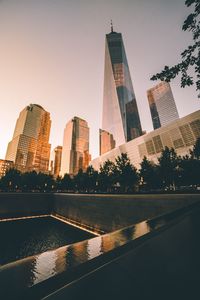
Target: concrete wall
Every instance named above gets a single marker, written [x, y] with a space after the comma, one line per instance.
[101, 212]
[164, 266]
[25, 204]
[111, 212]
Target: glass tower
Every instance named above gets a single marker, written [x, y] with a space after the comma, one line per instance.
[75, 152]
[120, 112]
[162, 105]
[106, 141]
[5, 165]
[29, 148]
[56, 162]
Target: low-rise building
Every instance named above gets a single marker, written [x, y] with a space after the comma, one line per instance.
[180, 134]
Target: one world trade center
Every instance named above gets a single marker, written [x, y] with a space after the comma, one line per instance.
[120, 112]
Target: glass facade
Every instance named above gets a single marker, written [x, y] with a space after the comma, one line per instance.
[55, 165]
[75, 153]
[5, 165]
[162, 105]
[180, 135]
[120, 112]
[29, 148]
[106, 141]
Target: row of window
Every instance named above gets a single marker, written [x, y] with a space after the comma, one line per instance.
[184, 135]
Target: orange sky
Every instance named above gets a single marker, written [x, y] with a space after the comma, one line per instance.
[52, 54]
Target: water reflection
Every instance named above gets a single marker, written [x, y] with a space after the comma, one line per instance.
[26, 237]
[48, 264]
[141, 229]
[77, 254]
[54, 262]
[94, 247]
[45, 266]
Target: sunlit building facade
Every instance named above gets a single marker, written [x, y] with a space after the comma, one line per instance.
[162, 105]
[5, 165]
[56, 161]
[120, 112]
[75, 152]
[106, 141]
[29, 148]
[180, 135]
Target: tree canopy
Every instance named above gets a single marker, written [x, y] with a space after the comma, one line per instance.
[106, 176]
[171, 172]
[190, 57]
[125, 173]
[149, 175]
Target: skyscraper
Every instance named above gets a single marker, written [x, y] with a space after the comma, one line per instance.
[106, 141]
[57, 155]
[162, 105]
[120, 112]
[75, 153]
[5, 165]
[29, 148]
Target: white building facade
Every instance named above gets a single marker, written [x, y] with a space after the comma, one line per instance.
[180, 135]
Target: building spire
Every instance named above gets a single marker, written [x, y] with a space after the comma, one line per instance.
[111, 25]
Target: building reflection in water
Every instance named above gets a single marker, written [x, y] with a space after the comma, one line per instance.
[77, 254]
[45, 266]
[141, 229]
[111, 241]
[94, 247]
[61, 260]
[50, 263]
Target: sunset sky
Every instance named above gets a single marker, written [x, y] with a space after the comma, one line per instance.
[52, 54]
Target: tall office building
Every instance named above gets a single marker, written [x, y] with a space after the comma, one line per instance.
[56, 165]
[162, 105]
[29, 148]
[106, 141]
[120, 112]
[5, 165]
[75, 152]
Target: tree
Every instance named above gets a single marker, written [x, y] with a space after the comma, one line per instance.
[190, 171]
[190, 165]
[29, 181]
[45, 182]
[196, 149]
[125, 172]
[168, 167]
[106, 176]
[91, 177]
[190, 57]
[58, 183]
[80, 181]
[149, 175]
[12, 180]
[66, 183]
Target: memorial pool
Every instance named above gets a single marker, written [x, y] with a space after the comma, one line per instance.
[25, 237]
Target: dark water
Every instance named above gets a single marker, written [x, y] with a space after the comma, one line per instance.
[24, 274]
[22, 238]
